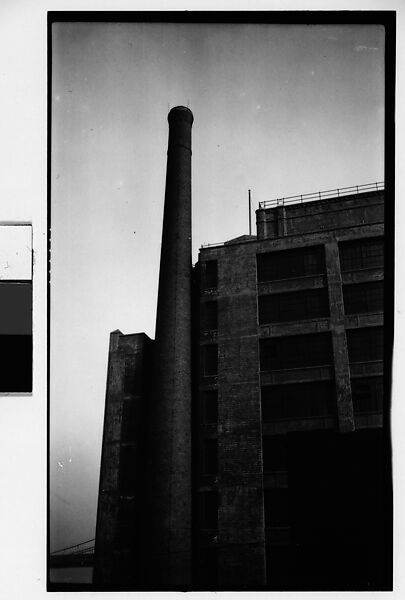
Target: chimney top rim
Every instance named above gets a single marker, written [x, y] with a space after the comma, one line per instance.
[181, 111]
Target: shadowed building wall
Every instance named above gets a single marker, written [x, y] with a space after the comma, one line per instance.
[290, 340]
[119, 549]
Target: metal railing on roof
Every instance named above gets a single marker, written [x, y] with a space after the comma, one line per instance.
[212, 245]
[335, 193]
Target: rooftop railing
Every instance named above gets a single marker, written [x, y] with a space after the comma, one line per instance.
[323, 195]
[212, 245]
[335, 193]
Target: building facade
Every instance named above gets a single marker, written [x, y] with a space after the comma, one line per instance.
[260, 456]
[291, 356]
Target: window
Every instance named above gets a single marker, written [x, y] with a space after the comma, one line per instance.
[210, 274]
[209, 406]
[209, 316]
[127, 469]
[276, 509]
[367, 394]
[294, 401]
[288, 264]
[293, 306]
[295, 351]
[210, 457]
[364, 298]
[361, 254]
[274, 453]
[209, 510]
[365, 344]
[209, 360]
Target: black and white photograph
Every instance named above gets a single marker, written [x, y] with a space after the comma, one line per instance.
[221, 247]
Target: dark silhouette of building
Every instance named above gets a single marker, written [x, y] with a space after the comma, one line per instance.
[248, 447]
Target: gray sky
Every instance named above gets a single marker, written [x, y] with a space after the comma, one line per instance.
[282, 110]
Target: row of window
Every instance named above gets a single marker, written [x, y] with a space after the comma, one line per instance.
[295, 351]
[300, 262]
[280, 353]
[367, 395]
[299, 351]
[295, 401]
[289, 264]
[305, 304]
[293, 306]
[318, 399]
[365, 344]
[363, 298]
[298, 400]
[310, 304]
[310, 400]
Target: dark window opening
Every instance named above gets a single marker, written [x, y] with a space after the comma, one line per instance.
[209, 360]
[274, 453]
[312, 399]
[128, 469]
[210, 457]
[209, 406]
[209, 510]
[211, 274]
[361, 254]
[294, 306]
[295, 351]
[288, 264]
[365, 344]
[367, 394]
[364, 298]
[209, 316]
[276, 507]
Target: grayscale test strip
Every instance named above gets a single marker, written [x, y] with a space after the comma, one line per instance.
[16, 308]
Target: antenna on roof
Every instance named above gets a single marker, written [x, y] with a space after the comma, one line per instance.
[250, 215]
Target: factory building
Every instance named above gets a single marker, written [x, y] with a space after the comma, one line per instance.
[247, 447]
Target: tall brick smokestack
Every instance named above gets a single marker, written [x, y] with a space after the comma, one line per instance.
[170, 410]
